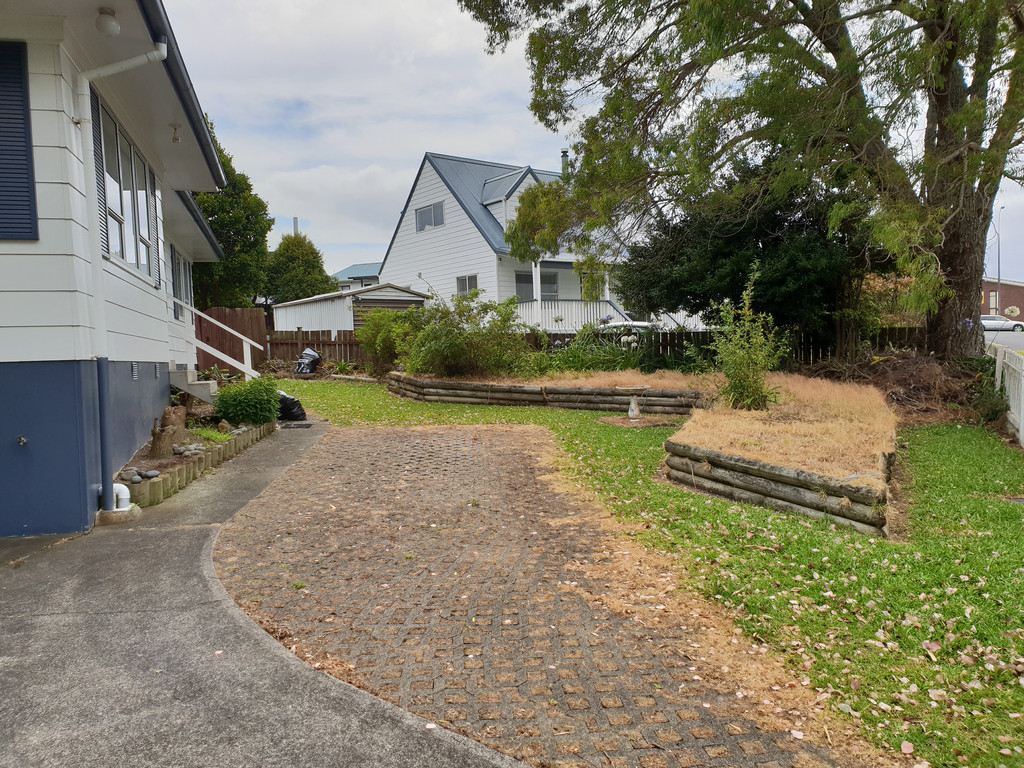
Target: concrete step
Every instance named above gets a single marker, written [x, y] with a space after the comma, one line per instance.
[188, 381]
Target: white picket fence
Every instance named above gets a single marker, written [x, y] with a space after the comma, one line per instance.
[1010, 373]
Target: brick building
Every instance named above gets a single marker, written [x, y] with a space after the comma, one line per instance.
[995, 299]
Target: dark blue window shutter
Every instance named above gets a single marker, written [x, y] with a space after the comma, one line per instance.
[18, 216]
[101, 182]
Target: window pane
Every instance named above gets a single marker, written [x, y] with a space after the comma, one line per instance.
[424, 219]
[114, 236]
[460, 286]
[438, 214]
[128, 196]
[549, 286]
[524, 286]
[110, 165]
[142, 206]
[471, 283]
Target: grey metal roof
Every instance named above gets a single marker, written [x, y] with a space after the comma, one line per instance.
[474, 182]
[357, 271]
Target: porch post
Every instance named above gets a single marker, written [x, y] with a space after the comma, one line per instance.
[536, 280]
[607, 287]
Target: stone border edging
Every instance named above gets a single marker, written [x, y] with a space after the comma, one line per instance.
[670, 401]
[845, 502]
[170, 481]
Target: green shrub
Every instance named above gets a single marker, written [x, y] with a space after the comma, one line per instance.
[747, 346]
[594, 349]
[382, 337]
[248, 402]
[468, 337]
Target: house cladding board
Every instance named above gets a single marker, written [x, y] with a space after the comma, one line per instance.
[441, 253]
[332, 313]
[17, 174]
[53, 278]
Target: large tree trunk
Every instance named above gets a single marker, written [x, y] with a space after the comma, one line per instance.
[955, 329]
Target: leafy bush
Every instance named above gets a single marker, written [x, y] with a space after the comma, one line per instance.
[594, 349]
[746, 348]
[382, 337]
[468, 337]
[248, 402]
[987, 398]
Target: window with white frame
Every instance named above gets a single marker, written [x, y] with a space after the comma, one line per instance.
[129, 187]
[181, 282]
[430, 216]
[463, 285]
[548, 286]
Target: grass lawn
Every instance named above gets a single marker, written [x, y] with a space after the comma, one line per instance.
[922, 642]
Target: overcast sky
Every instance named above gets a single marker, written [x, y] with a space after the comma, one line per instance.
[329, 106]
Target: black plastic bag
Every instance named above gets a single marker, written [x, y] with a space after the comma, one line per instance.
[291, 408]
[308, 361]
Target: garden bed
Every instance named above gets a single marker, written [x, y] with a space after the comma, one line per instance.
[825, 450]
[560, 395]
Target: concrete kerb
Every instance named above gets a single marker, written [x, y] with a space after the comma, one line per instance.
[155, 490]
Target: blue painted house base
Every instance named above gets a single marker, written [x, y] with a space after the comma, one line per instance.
[49, 438]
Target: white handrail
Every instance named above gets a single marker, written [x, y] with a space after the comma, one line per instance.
[247, 344]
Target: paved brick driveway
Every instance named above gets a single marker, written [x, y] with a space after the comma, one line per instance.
[453, 578]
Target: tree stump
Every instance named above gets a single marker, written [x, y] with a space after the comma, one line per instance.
[169, 430]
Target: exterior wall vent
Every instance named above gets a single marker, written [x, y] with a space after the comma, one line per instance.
[135, 371]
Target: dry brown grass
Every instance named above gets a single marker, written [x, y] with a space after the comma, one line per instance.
[608, 379]
[832, 428]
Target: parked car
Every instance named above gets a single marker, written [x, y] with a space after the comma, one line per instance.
[1000, 323]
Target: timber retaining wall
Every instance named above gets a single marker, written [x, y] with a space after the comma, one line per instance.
[860, 505]
[661, 401]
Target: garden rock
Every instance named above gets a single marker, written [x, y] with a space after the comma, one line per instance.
[127, 474]
[136, 480]
[151, 473]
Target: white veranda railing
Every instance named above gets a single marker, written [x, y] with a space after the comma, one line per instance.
[245, 364]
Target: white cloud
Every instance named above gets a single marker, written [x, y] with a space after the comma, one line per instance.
[329, 107]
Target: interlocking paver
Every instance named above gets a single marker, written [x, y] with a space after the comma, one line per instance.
[437, 563]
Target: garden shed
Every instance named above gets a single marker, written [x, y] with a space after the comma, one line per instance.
[343, 310]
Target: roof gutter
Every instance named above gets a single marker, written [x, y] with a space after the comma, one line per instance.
[155, 16]
[201, 222]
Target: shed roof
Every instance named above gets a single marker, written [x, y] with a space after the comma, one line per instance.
[354, 292]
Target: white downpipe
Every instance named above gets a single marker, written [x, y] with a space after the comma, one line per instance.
[99, 296]
[124, 497]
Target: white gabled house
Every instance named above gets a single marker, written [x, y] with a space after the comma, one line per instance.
[101, 134]
[450, 239]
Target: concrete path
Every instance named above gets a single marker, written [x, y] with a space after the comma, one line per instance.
[121, 648]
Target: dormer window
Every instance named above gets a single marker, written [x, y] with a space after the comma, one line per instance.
[431, 216]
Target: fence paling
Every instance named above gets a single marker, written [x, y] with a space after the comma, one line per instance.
[288, 345]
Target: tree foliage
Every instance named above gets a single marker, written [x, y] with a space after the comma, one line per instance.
[919, 103]
[241, 223]
[705, 255]
[295, 270]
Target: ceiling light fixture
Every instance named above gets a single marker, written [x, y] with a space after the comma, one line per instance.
[175, 139]
[107, 24]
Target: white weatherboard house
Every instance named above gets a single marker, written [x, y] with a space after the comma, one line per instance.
[451, 238]
[100, 134]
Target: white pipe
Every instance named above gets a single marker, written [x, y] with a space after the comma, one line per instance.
[123, 495]
[95, 254]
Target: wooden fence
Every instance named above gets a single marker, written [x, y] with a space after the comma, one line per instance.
[343, 345]
[330, 345]
[250, 322]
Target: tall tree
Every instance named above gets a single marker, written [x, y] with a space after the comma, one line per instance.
[919, 102]
[241, 223]
[295, 270]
